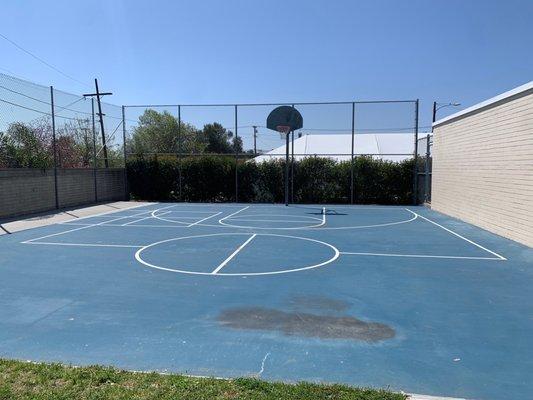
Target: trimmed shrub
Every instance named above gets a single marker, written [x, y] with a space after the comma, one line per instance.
[316, 180]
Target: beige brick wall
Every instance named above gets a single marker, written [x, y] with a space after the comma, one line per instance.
[483, 167]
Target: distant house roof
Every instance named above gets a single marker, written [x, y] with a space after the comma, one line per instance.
[385, 146]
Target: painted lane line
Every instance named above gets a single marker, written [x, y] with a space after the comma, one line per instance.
[192, 212]
[73, 230]
[314, 227]
[266, 220]
[418, 256]
[106, 213]
[461, 237]
[204, 219]
[232, 214]
[157, 216]
[139, 225]
[86, 244]
[282, 216]
[153, 214]
[183, 218]
[142, 219]
[227, 260]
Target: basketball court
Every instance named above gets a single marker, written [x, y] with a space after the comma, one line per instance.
[399, 297]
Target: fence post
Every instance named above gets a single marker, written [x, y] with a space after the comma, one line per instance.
[126, 192]
[54, 146]
[352, 156]
[292, 164]
[179, 151]
[236, 159]
[426, 169]
[415, 167]
[94, 153]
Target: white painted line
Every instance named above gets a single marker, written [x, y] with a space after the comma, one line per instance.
[75, 229]
[266, 220]
[425, 397]
[315, 227]
[142, 219]
[232, 214]
[106, 213]
[138, 256]
[461, 237]
[85, 244]
[157, 216]
[185, 225]
[192, 212]
[206, 218]
[418, 256]
[182, 218]
[227, 260]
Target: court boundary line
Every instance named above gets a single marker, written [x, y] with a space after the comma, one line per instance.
[86, 226]
[85, 244]
[106, 213]
[70, 230]
[418, 256]
[232, 255]
[461, 237]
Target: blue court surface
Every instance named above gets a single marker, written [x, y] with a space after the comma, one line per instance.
[395, 297]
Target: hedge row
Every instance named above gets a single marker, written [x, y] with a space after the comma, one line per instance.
[316, 180]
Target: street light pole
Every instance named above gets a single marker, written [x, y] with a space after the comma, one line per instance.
[437, 107]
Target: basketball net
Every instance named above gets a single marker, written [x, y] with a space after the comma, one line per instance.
[283, 130]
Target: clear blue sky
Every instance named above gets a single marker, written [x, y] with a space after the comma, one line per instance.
[262, 51]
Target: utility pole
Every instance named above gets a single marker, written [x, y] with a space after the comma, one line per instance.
[255, 140]
[99, 94]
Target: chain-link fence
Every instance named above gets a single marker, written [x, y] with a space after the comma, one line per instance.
[52, 151]
[424, 167]
[347, 152]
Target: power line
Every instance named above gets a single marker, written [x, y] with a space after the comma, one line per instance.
[37, 111]
[42, 61]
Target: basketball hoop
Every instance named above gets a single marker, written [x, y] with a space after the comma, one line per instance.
[283, 130]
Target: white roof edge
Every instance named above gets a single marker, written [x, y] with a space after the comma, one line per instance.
[522, 88]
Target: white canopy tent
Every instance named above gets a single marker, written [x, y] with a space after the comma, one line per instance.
[385, 146]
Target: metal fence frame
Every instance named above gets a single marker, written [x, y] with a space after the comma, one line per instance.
[236, 106]
[55, 159]
[427, 172]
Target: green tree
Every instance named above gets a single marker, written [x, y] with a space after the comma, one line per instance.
[158, 132]
[217, 139]
[26, 146]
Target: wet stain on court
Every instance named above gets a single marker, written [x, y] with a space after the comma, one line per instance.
[305, 324]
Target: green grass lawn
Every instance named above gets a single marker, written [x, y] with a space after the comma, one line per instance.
[23, 380]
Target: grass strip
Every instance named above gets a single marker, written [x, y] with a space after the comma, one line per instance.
[41, 381]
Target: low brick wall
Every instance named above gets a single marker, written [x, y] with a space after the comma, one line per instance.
[24, 191]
